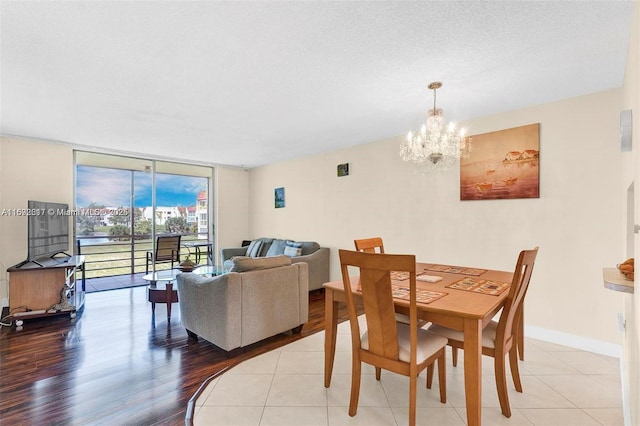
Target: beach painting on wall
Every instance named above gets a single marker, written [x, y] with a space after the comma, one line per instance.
[503, 165]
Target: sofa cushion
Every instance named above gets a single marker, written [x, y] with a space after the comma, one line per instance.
[244, 263]
[254, 248]
[309, 247]
[292, 249]
[266, 245]
[276, 248]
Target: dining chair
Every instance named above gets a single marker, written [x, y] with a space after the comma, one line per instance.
[167, 250]
[499, 338]
[369, 245]
[386, 344]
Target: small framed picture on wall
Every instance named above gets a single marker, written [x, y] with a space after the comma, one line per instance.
[279, 197]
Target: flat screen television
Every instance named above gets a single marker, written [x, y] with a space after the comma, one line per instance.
[48, 229]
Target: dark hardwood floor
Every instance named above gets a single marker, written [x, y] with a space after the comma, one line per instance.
[112, 365]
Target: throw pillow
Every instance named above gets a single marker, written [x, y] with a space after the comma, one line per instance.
[254, 248]
[277, 248]
[309, 247]
[293, 249]
[244, 264]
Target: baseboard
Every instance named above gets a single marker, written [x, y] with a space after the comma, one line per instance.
[573, 341]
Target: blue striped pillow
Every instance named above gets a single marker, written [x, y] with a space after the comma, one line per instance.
[293, 249]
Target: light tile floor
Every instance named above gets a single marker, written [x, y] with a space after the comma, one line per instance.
[562, 387]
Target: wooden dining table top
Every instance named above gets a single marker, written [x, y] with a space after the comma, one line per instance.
[466, 304]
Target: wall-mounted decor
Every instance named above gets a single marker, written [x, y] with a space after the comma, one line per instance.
[343, 169]
[503, 165]
[279, 197]
[626, 130]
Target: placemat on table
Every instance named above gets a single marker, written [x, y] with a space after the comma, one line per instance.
[422, 296]
[456, 270]
[491, 287]
[399, 275]
[404, 275]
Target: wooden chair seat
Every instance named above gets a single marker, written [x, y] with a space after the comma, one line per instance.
[428, 343]
[488, 334]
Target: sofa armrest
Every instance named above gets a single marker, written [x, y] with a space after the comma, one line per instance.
[211, 307]
[318, 263]
[228, 253]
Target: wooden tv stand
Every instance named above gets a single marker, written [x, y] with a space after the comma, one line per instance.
[35, 288]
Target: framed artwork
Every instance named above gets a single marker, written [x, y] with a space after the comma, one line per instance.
[343, 169]
[503, 165]
[279, 197]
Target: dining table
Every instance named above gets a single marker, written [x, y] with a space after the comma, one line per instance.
[467, 310]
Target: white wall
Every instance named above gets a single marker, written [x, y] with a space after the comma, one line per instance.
[231, 207]
[30, 170]
[576, 221]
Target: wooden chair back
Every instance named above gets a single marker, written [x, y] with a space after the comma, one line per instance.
[167, 248]
[510, 316]
[369, 245]
[377, 300]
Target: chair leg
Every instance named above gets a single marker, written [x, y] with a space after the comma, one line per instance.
[430, 369]
[501, 383]
[442, 378]
[378, 373]
[515, 372]
[454, 356]
[412, 399]
[355, 385]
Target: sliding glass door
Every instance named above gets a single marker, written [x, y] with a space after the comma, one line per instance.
[130, 202]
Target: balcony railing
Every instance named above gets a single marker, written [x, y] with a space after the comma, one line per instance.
[122, 255]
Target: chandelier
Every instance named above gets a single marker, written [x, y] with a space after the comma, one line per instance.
[436, 146]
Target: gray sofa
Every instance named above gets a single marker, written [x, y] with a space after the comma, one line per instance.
[310, 252]
[259, 298]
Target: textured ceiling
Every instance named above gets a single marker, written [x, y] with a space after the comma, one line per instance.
[252, 83]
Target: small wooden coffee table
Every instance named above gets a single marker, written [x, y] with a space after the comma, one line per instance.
[161, 289]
